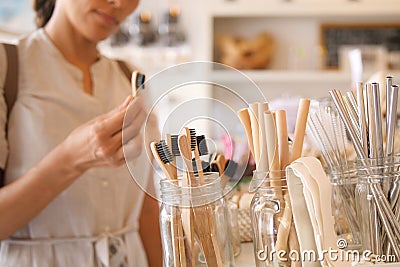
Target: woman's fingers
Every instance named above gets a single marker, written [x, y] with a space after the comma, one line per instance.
[113, 120]
[132, 149]
[99, 142]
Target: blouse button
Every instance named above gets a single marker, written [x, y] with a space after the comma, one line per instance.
[104, 183]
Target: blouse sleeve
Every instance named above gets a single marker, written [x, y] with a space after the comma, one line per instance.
[3, 109]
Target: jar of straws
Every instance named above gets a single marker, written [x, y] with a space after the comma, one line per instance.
[377, 176]
[376, 195]
[267, 210]
[194, 223]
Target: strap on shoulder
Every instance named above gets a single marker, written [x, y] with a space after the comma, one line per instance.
[125, 69]
[138, 80]
[11, 81]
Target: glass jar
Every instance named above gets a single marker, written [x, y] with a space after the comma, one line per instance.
[233, 211]
[344, 180]
[195, 229]
[377, 179]
[267, 208]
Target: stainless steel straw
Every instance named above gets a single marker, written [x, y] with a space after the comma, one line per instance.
[362, 120]
[385, 213]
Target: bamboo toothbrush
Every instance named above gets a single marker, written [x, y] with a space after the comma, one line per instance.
[195, 149]
[201, 214]
[137, 82]
[172, 149]
[188, 179]
[163, 157]
[172, 142]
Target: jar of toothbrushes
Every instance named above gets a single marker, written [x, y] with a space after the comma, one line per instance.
[233, 213]
[194, 222]
[271, 219]
[343, 179]
[376, 198]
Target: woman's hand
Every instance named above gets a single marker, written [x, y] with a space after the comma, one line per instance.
[98, 143]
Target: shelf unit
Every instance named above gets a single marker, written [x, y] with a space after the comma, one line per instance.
[292, 23]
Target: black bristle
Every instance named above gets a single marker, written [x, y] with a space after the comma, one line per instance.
[140, 80]
[230, 168]
[174, 145]
[202, 145]
[163, 152]
[193, 141]
[214, 167]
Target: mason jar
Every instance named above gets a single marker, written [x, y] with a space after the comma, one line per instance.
[344, 181]
[195, 229]
[267, 208]
[377, 181]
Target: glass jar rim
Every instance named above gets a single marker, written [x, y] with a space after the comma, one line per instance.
[174, 194]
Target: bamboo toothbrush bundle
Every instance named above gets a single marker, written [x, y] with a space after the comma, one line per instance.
[164, 158]
[204, 224]
[193, 221]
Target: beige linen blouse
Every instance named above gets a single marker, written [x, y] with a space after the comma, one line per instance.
[102, 206]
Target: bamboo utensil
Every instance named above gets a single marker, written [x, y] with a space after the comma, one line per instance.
[300, 129]
[245, 120]
[163, 157]
[255, 131]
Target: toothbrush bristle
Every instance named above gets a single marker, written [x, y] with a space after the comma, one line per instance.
[230, 168]
[174, 145]
[163, 152]
[202, 145]
[193, 142]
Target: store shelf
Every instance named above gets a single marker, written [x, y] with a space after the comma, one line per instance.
[290, 76]
[304, 8]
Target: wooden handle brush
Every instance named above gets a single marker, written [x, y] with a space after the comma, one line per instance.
[203, 219]
[163, 157]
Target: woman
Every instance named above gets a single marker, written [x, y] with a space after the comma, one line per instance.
[69, 199]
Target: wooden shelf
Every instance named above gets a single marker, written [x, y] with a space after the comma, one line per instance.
[304, 8]
[286, 76]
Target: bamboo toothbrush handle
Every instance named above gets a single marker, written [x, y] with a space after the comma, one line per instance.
[186, 154]
[206, 233]
[198, 165]
[300, 129]
[175, 238]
